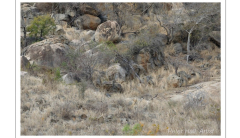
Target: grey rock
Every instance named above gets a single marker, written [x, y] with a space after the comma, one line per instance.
[108, 31]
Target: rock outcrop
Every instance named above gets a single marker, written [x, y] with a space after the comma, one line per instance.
[108, 31]
[49, 52]
[116, 72]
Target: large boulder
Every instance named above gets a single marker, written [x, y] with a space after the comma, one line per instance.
[173, 81]
[215, 37]
[87, 21]
[116, 72]
[49, 52]
[108, 31]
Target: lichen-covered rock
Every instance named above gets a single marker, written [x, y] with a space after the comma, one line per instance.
[116, 72]
[49, 52]
[108, 31]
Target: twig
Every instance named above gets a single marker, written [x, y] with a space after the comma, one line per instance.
[147, 8]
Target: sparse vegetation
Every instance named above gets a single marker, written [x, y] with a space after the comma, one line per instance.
[136, 98]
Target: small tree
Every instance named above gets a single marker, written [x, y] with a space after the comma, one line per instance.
[199, 16]
[41, 26]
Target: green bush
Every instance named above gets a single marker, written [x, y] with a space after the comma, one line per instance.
[136, 130]
[41, 26]
[57, 74]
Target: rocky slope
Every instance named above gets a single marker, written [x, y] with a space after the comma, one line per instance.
[109, 65]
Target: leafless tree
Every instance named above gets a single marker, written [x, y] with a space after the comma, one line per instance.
[199, 15]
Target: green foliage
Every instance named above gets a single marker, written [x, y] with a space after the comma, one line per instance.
[41, 25]
[110, 44]
[57, 74]
[136, 130]
[127, 130]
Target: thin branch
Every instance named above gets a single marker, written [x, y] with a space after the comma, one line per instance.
[163, 25]
[147, 9]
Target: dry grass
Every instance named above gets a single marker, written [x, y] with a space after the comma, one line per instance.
[58, 109]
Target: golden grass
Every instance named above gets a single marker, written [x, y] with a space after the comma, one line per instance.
[58, 111]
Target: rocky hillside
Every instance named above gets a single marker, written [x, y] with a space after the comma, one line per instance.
[118, 68]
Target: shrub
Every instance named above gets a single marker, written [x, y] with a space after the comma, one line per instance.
[41, 25]
[136, 130]
[57, 73]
